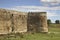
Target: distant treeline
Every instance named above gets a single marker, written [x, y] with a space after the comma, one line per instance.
[50, 22]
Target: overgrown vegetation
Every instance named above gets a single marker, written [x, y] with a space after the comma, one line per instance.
[54, 34]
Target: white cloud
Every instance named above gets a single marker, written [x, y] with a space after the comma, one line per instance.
[34, 8]
[53, 16]
[50, 2]
[50, 14]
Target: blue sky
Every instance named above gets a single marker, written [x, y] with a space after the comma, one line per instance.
[52, 7]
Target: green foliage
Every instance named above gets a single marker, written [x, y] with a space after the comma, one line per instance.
[48, 22]
[57, 21]
[19, 34]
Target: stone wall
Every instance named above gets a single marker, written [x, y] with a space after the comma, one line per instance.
[20, 23]
[43, 22]
[5, 22]
[37, 22]
[13, 21]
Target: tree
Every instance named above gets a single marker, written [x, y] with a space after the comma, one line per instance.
[57, 21]
[48, 22]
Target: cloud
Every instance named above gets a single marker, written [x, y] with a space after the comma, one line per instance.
[50, 2]
[34, 8]
[52, 14]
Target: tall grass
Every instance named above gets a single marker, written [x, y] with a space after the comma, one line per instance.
[53, 35]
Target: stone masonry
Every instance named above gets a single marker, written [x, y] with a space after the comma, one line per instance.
[37, 22]
[13, 21]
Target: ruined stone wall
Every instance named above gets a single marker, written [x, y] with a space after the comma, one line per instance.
[20, 23]
[5, 22]
[33, 22]
[37, 22]
[12, 21]
[43, 22]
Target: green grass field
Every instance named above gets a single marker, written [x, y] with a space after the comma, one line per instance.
[54, 34]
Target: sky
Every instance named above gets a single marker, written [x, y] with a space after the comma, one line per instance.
[52, 7]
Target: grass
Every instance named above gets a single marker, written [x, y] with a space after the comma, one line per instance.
[54, 28]
[37, 36]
